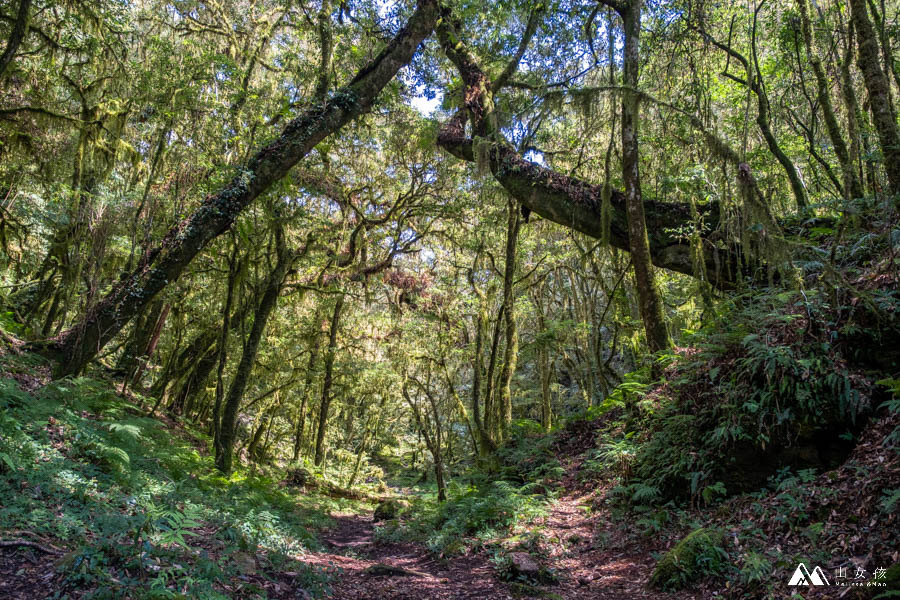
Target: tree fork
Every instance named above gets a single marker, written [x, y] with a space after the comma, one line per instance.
[574, 203]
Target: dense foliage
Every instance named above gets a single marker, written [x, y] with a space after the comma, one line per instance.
[256, 253]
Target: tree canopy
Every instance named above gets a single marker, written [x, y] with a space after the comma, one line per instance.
[347, 240]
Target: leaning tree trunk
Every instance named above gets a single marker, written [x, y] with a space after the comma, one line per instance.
[18, 33]
[165, 263]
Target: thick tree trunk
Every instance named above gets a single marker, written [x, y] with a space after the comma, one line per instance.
[574, 203]
[648, 296]
[327, 381]
[878, 86]
[267, 304]
[165, 263]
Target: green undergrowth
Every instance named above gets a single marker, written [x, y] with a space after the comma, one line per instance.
[774, 380]
[749, 430]
[476, 514]
[139, 507]
[483, 508]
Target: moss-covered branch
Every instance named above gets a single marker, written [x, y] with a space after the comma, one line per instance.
[165, 263]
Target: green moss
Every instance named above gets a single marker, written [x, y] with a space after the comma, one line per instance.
[892, 579]
[696, 556]
[389, 509]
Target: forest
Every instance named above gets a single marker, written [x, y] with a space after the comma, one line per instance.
[456, 299]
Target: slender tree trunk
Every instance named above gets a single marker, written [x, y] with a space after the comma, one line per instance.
[327, 381]
[790, 169]
[543, 359]
[267, 304]
[648, 296]
[490, 412]
[165, 263]
[511, 352]
[878, 86]
[307, 388]
[433, 439]
[852, 187]
[147, 354]
[486, 444]
[221, 352]
[140, 336]
[195, 363]
[362, 446]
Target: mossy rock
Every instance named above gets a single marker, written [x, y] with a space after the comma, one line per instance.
[699, 554]
[297, 477]
[389, 509]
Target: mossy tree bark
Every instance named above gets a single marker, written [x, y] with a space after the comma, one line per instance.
[328, 381]
[511, 350]
[878, 86]
[567, 200]
[165, 263]
[429, 426]
[649, 301]
[234, 269]
[307, 387]
[274, 285]
[16, 36]
[852, 185]
[486, 443]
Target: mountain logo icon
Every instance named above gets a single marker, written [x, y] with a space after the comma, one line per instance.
[802, 576]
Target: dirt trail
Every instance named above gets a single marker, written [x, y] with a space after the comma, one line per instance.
[354, 550]
[593, 557]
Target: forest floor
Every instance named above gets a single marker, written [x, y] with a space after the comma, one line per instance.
[590, 555]
[74, 510]
[368, 569]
